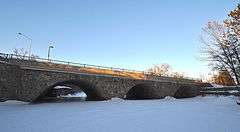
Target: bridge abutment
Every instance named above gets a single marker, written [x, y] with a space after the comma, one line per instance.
[10, 81]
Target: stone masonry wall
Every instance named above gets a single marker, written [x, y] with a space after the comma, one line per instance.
[28, 84]
[10, 81]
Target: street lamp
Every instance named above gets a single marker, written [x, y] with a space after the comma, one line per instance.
[49, 49]
[30, 45]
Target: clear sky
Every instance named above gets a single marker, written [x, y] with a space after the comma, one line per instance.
[130, 34]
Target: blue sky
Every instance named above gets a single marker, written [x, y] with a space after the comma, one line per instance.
[130, 34]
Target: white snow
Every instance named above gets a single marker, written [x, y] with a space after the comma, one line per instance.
[116, 99]
[62, 87]
[78, 94]
[169, 98]
[199, 114]
[233, 91]
[217, 85]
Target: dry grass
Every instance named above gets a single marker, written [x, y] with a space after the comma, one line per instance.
[93, 70]
[71, 68]
[114, 73]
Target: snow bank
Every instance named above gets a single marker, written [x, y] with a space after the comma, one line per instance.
[13, 102]
[199, 114]
[169, 98]
[117, 100]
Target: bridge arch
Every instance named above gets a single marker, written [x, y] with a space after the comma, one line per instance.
[140, 92]
[186, 91]
[88, 88]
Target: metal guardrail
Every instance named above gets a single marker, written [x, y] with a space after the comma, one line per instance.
[38, 59]
[7, 57]
[225, 88]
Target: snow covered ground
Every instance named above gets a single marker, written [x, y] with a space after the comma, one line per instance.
[199, 114]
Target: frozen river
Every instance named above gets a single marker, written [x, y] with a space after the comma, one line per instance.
[199, 114]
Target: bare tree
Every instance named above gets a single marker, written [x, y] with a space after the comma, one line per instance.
[233, 37]
[223, 78]
[221, 42]
[159, 70]
[177, 75]
[21, 53]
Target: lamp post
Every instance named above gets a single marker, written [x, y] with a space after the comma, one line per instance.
[30, 45]
[49, 51]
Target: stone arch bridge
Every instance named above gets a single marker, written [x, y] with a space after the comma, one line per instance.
[31, 84]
